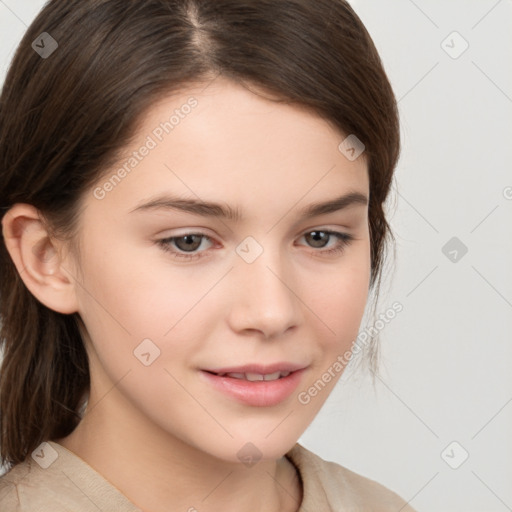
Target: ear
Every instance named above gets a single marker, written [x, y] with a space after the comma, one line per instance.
[39, 259]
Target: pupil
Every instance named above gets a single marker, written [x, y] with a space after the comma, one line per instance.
[316, 235]
[189, 241]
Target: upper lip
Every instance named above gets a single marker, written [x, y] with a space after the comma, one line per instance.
[260, 369]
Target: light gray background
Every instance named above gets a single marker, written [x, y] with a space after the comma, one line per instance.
[447, 356]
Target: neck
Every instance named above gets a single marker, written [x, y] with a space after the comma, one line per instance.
[158, 472]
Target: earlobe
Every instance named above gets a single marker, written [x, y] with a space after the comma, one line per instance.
[38, 258]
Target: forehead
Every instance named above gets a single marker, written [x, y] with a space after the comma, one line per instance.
[222, 142]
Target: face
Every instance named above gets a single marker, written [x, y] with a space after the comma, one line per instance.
[174, 294]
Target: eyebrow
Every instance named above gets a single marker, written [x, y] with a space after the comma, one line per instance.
[223, 210]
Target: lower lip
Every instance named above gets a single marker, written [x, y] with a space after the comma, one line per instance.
[261, 393]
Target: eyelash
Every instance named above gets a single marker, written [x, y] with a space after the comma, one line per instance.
[344, 241]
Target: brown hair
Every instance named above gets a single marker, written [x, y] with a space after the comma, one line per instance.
[65, 118]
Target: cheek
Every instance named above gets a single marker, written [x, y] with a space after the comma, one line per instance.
[339, 295]
[136, 290]
[127, 300]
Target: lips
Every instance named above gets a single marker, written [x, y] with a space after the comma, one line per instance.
[256, 385]
[253, 377]
[258, 369]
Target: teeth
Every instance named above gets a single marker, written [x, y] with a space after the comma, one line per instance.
[272, 376]
[236, 375]
[253, 377]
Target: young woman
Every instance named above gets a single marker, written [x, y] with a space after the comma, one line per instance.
[192, 200]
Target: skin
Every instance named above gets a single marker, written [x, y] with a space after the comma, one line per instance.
[163, 436]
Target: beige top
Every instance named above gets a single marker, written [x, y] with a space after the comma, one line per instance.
[62, 482]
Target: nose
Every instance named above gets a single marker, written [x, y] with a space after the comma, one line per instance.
[263, 298]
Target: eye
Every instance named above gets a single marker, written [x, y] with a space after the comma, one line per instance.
[188, 244]
[318, 236]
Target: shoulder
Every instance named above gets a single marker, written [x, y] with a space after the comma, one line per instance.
[27, 487]
[56, 480]
[9, 496]
[330, 484]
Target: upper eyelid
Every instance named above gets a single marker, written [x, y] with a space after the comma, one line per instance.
[202, 232]
[205, 230]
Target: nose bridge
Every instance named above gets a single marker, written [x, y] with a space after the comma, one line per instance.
[264, 297]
